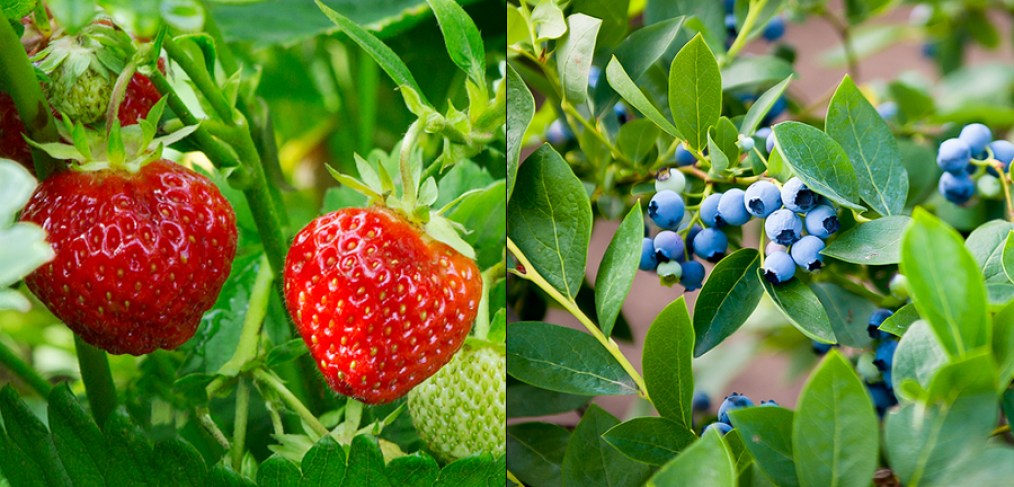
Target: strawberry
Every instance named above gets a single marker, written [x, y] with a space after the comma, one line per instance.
[143, 245]
[141, 95]
[12, 141]
[462, 409]
[380, 303]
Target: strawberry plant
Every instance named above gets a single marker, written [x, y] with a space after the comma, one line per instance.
[663, 159]
[252, 243]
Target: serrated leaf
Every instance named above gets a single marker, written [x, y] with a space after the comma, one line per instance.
[130, 452]
[78, 439]
[32, 437]
[278, 472]
[366, 463]
[286, 352]
[181, 465]
[324, 464]
[415, 470]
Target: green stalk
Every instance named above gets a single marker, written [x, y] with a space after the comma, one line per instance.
[751, 18]
[490, 278]
[17, 76]
[24, 371]
[257, 309]
[97, 378]
[204, 417]
[239, 431]
[269, 381]
[410, 187]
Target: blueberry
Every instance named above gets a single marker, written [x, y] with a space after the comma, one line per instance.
[729, 6]
[670, 179]
[775, 29]
[899, 286]
[888, 379]
[957, 189]
[762, 133]
[769, 404]
[888, 110]
[622, 113]
[1003, 151]
[884, 357]
[731, 403]
[929, 50]
[666, 209]
[770, 142]
[806, 253]
[721, 427]
[559, 133]
[762, 199]
[693, 275]
[669, 246]
[691, 234]
[669, 273]
[876, 319]
[822, 348]
[593, 76]
[783, 227]
[953, 155]
[773, 247]
[797, 197]
[989, 186]
[779, 268]
[684, 157]
[731, 208]
[702, 403]
[648, 260]
[883, 398]
[709, 211]
[977, 136]
[711, 244]
[822, 221]
[730, 24]
[777, 109]
[747, 143]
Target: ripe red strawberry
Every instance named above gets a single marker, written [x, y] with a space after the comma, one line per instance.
[12, 142]
[141, 95]
[139, 256]
[381, 305]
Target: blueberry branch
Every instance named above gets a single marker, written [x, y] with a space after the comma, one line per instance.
[533, 276]
[24, 371]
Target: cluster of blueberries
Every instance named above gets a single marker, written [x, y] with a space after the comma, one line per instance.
[772, 32]
[961, 159]
[786, 211]
[702, 404]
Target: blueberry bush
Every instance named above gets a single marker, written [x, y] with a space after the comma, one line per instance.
[253, 243]
[868, 235]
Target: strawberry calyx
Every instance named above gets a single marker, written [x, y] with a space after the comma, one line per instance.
[124, 148]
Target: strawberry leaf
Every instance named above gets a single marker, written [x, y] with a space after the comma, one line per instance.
[442, 230]
[369, 175]
[354, 184]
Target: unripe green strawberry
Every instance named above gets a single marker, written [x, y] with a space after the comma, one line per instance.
[84, 99]
[462, 409]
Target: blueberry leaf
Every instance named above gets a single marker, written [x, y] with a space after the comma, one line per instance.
[526, 401]
[707, 462]
[872, 243]
[762, 106]
[728, 298]
[575, 55]
[695, 92]
[618, 268]
[520, 110]
[535, 452]
[668, 355]
[800, 305]
[621, 82]
[849, 314]
[819, 161]
[918, 357]
[1003, 342]
[987, 244]
[754, 72]
[767, 435]
[945, 284]
[901, 321]
[638, 53]
[835, 436]
[862, 132]
[564, 360]
[590, 461]
[653, 441]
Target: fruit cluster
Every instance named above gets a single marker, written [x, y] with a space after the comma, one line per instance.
[733, 402]
[971, 162]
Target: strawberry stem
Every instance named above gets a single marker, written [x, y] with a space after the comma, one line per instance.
[239, 430]
[249, 338]
[24, 371]
[97, 378]
[271, 382]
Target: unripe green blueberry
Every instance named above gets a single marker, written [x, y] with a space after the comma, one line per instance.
[989, 186]
[671, 179]
[899, 286]
[670, 273]
[866, 369]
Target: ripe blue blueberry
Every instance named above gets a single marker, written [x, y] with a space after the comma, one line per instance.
[769, 143]
[711, 244]
[669, 246]
[684, 157]
[883, 397]
[721, 427]
[1003, 151]
[797, 197]
[729, 6]
[731, 403]
[888, 379]
[732, 209]
[648, 259]
[884, 357]
[670, 179]
[593, 76]
[773, 247]
[779, 268]
[888, 110]
[822, 348]
[709, 211]
[806, 253]
[777, 109]
[622, 113]
[822, 221]
[977, 136]
[691, 234]
[958, 189]
[762, 199]
[701, 403]
[953, 155]
[559, 133]
[666, 209]
[783, 227]
[693, 275]
[730, 24]
[769, 404]
[876, 319]
[775, 29]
